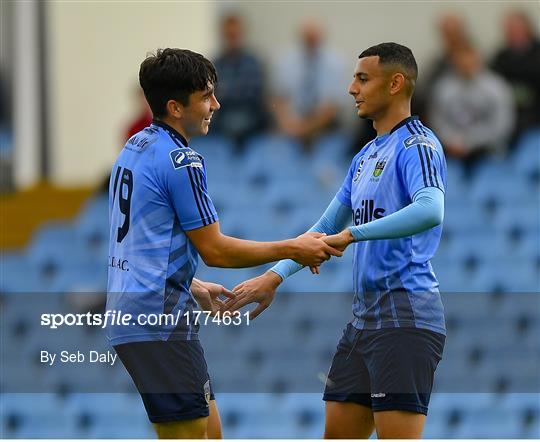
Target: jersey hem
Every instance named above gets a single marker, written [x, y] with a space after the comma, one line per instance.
[404, 324]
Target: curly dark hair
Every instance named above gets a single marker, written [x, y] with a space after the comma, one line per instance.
[174, 74]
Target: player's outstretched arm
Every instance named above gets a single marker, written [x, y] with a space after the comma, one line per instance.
[335, 217]
[218, 250]
[425, 212]
[207, 295]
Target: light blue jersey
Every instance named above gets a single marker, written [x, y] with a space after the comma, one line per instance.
[157, 192]
[394, 282]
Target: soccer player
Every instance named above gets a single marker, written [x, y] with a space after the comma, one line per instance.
[161, 218]
[382, 372]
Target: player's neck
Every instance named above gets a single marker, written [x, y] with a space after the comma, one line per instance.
[392, 118]
[176, 126]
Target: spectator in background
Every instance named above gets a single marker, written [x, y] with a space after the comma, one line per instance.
[308, 87]
[453, 35]
[241, 87]
[472, 109]
[519, 63]
[143, 117]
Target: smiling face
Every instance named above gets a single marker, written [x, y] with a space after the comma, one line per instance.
[370, 88]
[195, 118]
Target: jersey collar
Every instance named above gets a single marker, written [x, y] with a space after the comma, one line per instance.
[172, 132]
[404, 122]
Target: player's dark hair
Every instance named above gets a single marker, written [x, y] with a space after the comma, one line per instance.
[396, 55]
[174, 74]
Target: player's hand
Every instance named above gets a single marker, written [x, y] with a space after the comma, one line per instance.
[260, 289]
[310, 250]
[208, 297]
[339, 241]
[315, 269]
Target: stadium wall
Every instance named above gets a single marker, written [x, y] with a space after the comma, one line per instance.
[95, 49]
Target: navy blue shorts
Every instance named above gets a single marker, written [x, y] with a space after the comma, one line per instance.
[387, 369]
[171, 377]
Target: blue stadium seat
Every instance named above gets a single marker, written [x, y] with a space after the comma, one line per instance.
[19, 274]
[90, 277]
[274, 157]
[218, 153]
[490, 423]
[521, 401]
[522, 215]
[32, 412]
[54, 244]
[94, 213]
[465, 218]
[457, 187]
[515, 275]
[525, 159]
[333, 145]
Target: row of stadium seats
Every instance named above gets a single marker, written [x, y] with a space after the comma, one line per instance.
[259, 416]
[464, 261]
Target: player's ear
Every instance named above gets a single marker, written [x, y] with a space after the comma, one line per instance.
[397, 84]
[175, 109]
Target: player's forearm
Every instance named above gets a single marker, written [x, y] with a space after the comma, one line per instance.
[425, 212]
[237, 253]
[218, 250]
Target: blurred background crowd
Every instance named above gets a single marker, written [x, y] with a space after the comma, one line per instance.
[477, 103]
[277, 152]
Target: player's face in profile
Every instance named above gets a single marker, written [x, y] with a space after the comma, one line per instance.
[198, 113]
[369, 88]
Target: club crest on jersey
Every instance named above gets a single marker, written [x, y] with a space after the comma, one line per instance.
[379, 167]
[413, 140]
[357, 174]
[184, 158]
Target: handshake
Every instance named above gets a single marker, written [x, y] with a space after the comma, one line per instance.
[313, 248]
[310, 249]
[312, 253]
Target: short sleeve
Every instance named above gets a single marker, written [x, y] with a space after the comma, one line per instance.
[187, 189]
[420, 166]
[344, 193]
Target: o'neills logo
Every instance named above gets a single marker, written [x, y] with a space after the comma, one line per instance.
[367, 212]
